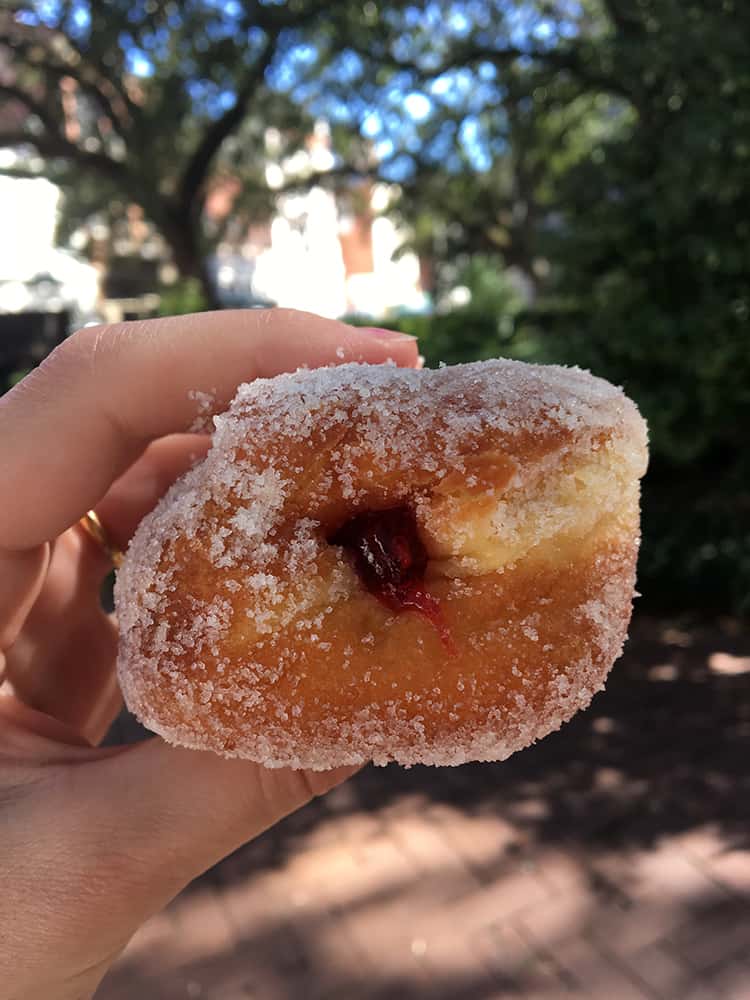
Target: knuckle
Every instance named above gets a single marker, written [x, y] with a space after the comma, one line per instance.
[279, 316]
[73, 357]
[86, 346]
[95, 345]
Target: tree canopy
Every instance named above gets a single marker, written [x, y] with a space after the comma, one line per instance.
[150, 102]
[147, 101]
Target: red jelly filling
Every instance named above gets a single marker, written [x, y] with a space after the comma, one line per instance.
[391, 560]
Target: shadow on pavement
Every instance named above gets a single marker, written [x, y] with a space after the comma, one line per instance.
[661, 754]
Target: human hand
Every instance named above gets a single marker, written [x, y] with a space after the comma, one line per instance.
[95, 840]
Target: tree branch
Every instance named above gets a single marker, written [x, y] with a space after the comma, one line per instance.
[459, 58]
[196, 170]
[20, 173]
[58, 146]
[51, 66]
[555, 59]
[34, 106]
[274, 19]
[110, 79]
[623, 18]
[304, 183]
[100, 41]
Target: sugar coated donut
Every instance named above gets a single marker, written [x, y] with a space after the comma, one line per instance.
[377, 563]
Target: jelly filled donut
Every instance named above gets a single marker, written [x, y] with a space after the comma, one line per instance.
[377, 563]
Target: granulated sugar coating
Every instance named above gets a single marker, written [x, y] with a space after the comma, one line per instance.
[246, 630]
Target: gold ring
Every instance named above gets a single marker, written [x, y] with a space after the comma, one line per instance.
[95, 529]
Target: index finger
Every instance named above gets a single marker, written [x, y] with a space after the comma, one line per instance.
[78, 421]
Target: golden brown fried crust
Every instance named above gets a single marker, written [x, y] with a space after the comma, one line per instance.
[245, 631]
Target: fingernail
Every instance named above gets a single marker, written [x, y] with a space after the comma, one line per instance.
[381, 334]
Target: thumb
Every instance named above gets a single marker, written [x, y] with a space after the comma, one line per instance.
[160, 815]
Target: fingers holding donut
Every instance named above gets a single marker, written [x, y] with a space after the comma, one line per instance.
[137, 491]
[77, 433]
[78, 421]
[61, 663]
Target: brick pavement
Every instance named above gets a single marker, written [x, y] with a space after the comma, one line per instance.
[610, 861]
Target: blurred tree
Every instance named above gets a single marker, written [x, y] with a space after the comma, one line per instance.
[652, 269]
[505, 209]
[153, 103]
[479, 107]
[610, 141]
[156, 102]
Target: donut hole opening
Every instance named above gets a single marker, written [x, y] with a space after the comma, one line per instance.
[390, 559]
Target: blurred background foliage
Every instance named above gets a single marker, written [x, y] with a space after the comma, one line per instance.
[576, 174]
